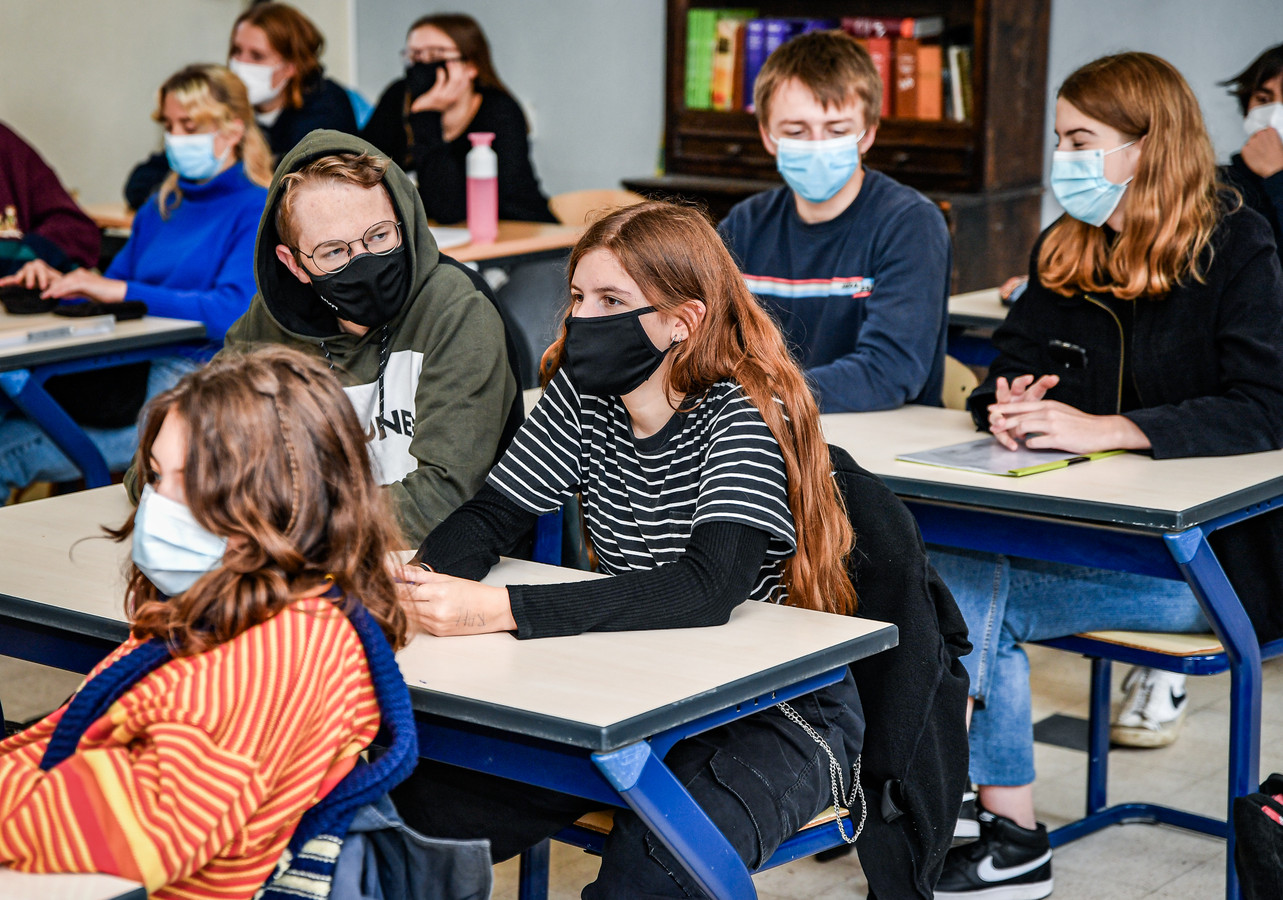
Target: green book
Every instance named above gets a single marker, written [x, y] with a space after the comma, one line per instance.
[990, 457]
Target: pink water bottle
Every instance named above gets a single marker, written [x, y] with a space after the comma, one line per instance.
[483, 189]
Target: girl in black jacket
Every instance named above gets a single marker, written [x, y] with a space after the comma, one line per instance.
[1153, 322]
[451, 89]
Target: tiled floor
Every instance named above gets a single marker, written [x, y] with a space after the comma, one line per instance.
[1122, 863]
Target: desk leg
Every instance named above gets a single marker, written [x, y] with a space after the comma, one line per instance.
[652, 791]
[29, 395]
[1225, 611]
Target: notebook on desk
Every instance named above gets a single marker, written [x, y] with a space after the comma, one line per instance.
[988, 456]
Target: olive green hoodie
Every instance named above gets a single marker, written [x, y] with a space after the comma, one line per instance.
[448, 386]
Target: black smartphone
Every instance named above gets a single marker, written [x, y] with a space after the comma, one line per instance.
[1066, 355]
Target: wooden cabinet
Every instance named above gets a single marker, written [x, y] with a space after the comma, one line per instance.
[986, 173]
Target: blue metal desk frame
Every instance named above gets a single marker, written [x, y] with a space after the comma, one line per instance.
[621, 768]
[1183, 554]
[24, 387]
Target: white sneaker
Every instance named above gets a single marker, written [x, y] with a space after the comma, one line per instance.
[1152, 711]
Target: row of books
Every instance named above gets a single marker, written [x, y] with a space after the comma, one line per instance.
[921, 78]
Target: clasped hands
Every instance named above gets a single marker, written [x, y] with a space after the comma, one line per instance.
[445, 605]
[1021, 415]
[54, 285]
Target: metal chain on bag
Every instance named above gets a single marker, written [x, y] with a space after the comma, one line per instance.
[841, 802]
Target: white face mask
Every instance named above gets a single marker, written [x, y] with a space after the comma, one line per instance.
[258, 81]
[170, 547]
[1267, 115]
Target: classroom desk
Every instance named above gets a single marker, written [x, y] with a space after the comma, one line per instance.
[1129, 513]
[592, 714]
[24, 369]
[972, 319]
[113, 217]
[26, 886]
[977, 309]
[517, 241]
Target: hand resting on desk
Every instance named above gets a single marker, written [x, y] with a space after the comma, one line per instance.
[446, 605]
[1023, 415]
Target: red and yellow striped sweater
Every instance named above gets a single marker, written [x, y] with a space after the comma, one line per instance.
[196, 778]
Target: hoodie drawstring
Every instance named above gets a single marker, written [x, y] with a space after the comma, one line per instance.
[385, 345]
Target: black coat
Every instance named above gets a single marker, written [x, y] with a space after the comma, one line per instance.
[1265, 195]
[914, 764]
[1206, 363]
[415, 141]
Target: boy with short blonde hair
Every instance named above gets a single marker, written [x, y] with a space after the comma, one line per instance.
[853, 265]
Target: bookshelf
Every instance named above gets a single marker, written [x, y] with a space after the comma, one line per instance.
[985, 173]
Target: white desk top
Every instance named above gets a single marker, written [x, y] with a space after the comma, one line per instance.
[26, 886]
[145, 332]
[1130, 489]
[977, 309]
[601, 690]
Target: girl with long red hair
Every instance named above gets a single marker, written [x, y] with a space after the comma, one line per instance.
[673, 408]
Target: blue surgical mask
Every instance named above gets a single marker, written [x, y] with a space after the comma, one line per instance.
[170, 547]
[816, 170]
[1079, 183]
[192, 155]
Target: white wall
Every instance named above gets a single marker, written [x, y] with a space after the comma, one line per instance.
[1207, 40]
[78, 78]
[590, 74]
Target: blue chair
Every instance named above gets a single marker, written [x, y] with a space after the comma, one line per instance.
[361, 108]
[1186, 655]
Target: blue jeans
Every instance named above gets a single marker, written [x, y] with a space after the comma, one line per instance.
[1009, 600]
[27, 454]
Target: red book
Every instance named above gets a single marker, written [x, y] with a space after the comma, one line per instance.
[893, 26]
[880, 50]
[906, 78]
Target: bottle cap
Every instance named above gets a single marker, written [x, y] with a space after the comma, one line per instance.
[481, 138]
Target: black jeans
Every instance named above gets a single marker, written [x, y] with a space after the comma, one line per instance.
[759, 779]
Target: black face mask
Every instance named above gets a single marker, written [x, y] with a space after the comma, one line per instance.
[370, 291]
[420, 78]
[610, 356]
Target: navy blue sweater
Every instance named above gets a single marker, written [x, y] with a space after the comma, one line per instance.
[862, 299]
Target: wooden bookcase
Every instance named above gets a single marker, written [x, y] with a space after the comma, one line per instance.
[986, 173]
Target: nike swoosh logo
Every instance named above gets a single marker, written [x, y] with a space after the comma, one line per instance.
[987, 871]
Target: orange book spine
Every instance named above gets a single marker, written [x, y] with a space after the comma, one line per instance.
[930, 82]
[906, 78]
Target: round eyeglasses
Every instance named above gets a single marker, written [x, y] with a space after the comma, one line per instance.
[330, 257]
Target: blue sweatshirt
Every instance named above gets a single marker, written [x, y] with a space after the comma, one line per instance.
[199, 262]
[862, 299]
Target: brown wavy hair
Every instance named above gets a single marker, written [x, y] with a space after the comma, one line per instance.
[212, 95]
[1172, 207]
[675, 256]
[291, 34]
[471, 41]
[277, 462]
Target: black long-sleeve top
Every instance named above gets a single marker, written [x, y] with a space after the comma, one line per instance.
[416, 142]
[714, 575]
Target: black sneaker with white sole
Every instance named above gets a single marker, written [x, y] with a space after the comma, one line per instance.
[1007, 863]
[967, 828]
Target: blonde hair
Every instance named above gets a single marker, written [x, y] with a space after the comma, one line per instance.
[674, 255]
[212, 95]
[832, 64]
[360, 169]
[1172, 207]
